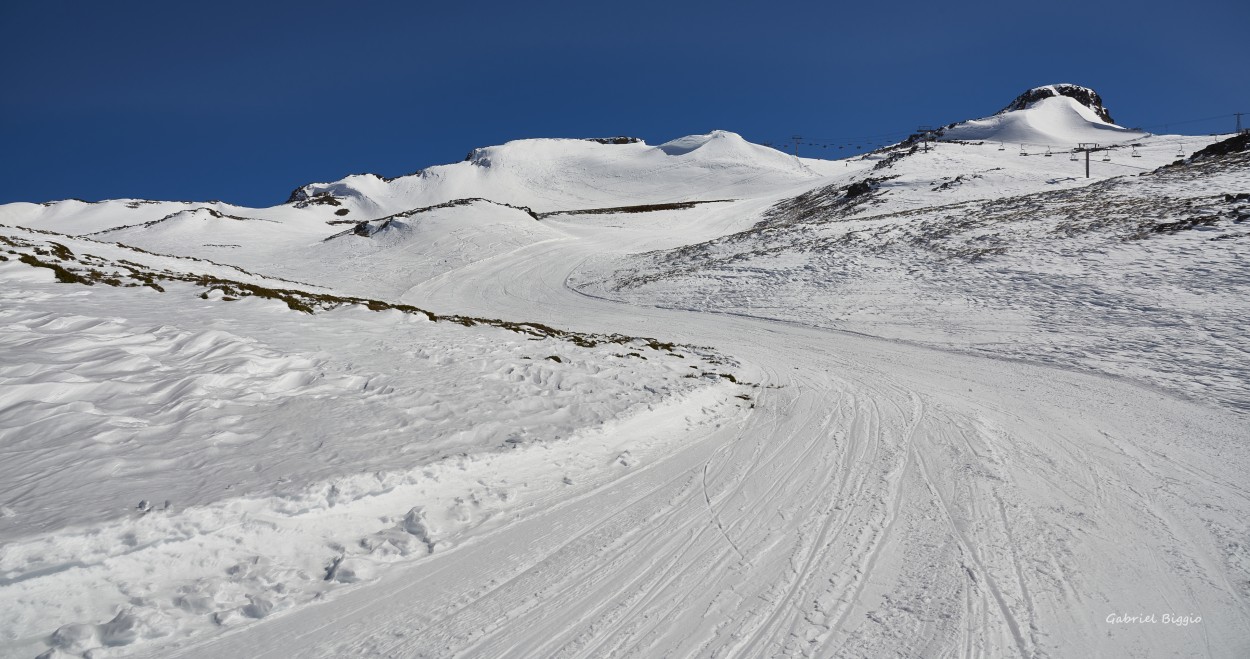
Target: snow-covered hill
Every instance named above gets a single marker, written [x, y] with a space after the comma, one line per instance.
[439, 218]
[1061, 116]
[597, 398]
[552, 175]
[1140, 276]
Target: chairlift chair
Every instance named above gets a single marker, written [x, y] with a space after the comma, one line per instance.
[1022, 151]
[1048, 153]
[1002, 147]
[1106, 156]
[1135, 154]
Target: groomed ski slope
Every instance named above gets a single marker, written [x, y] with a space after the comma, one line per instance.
[843, 495]
[178, 463]
[881, 499]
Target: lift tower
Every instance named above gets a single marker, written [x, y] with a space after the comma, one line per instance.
[1088, 148]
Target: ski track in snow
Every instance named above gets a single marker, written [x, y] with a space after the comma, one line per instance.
[883, 499]
[862, 496]
[263, 475]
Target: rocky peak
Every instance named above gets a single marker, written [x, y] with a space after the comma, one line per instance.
[1083, 95]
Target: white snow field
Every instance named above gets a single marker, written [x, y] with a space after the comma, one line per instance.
[577, 398]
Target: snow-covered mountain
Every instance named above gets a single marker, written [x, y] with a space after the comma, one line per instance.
[1084, 96]
[1060, 116]
[597, 397]
[552, 175]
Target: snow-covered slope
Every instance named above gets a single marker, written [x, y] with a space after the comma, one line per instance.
[567, 174]
[543, 174]
[439, 218]
[1061, 116]
[187, 449]
[540, 177]
[953, 401]
[379, 258]
[1141, 276]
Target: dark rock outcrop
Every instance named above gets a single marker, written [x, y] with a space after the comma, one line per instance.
[613, 140]
[1234, 144]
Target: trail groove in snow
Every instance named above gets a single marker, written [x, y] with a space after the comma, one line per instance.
[846, 549]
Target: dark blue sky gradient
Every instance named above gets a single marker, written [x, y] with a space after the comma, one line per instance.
[244, 101]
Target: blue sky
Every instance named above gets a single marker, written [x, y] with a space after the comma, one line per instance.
[244, 101]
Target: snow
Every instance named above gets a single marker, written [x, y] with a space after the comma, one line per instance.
[567, 174]
[142, 428]
[981, 405]
[1058, 121]
[1081, 277]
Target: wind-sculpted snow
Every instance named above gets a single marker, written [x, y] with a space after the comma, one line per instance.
[142, 427]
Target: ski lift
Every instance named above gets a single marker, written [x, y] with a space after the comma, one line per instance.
[1073, 158]
[1134, 153]
[1048, 153]
[1180, 151]
[1022, 151]
[1106, 156]
[1002, 147]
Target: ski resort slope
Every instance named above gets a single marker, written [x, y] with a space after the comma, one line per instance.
[376, 480]
[185, 453]
[881, 499]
